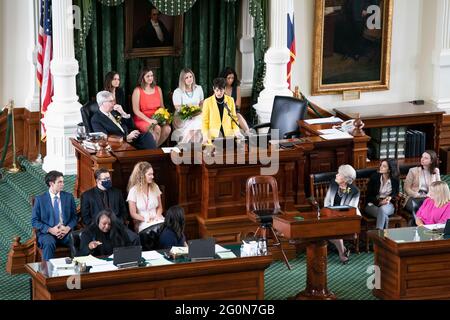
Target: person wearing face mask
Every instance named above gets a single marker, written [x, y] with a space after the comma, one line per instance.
[144, 197]
[104, 196]
[103, 235]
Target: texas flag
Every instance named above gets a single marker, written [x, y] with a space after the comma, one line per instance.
[290, 39]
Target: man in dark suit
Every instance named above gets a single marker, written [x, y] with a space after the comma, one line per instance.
[107, 121]
[54, 215]
[153, 34]
[102, 197]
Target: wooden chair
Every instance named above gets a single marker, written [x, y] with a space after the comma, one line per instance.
[262, 204]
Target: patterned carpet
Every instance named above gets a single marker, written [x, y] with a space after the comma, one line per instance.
[346, 281]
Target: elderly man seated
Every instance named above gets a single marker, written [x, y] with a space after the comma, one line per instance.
[112, 120]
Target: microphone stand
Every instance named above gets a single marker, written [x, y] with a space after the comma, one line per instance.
[230, 115]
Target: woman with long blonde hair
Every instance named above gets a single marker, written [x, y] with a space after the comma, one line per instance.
[436, 208]
[144, 197]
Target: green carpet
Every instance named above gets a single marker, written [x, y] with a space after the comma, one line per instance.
[346, 281]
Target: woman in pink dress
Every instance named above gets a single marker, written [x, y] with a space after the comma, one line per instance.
[436, 208]
[147, 98]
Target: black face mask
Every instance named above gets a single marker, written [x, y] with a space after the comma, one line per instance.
[107, 184]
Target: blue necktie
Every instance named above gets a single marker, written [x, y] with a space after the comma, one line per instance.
[56, 207]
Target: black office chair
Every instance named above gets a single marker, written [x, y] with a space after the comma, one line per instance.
[87, 111]
[150, 237]
[286, 111]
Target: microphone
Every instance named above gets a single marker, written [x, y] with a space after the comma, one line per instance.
[231, 116]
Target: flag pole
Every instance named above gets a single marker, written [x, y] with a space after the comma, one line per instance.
[15, 168]
[38, 160]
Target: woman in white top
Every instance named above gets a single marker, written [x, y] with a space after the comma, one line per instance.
[191, 94]
[144, 197]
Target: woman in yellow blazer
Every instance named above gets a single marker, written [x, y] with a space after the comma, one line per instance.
[216, 120]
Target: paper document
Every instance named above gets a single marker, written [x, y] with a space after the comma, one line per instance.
[323, 120]
[151, 255]
[169, 150]
[90, 260]
[226, 255]
[60, 263]
[159, 262]
[219, 248]
[103, 268]
[336, 136]
[330, 131]
[434, 226]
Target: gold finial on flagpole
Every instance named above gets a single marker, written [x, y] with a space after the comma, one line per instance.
[14, 168]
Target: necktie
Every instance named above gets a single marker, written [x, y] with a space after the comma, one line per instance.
[105, 200]
[115, 121]
[58, 217]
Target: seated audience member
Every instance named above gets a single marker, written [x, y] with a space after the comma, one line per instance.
[190, 94]
[103, 235]
[382, 188]
[144, 197]
[112, 84]
[172, 233]
[104, 120]
[104, 196]
[54, 215]
[436, 208]
[342, 192]
[418, 181]
[233, 90]
[219, 115]
[147, 98]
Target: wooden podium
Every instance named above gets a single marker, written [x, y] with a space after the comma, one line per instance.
[315, 230]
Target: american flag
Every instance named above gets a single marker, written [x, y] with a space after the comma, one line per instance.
[44, 56]
[290, 40]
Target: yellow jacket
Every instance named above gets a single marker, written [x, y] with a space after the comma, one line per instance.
[211, 118]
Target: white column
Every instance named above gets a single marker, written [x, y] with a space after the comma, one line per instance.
[276, 58]
[32, 101]
[63, 113]
[247, 50]
[441, 57]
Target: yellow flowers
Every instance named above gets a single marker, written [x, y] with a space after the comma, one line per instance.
[188, 112]
[163, 116]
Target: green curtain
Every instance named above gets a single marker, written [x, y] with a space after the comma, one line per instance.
[210, 29]
[173, 7]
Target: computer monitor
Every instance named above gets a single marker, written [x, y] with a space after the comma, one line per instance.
[127, 257]
[202, 249]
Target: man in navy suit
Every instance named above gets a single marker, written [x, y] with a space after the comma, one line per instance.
[54, 215]
[105, 121]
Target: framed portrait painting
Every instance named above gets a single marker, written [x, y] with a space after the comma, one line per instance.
[352, 45]
[149, 33]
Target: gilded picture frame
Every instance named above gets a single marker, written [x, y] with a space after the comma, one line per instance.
[351, 46]
[137, 38]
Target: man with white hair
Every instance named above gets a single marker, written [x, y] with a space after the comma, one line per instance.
[112, 120]
[342, 192]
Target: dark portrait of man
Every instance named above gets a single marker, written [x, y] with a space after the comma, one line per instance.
[153, 34]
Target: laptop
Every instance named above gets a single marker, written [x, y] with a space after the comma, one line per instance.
[202, 249]
[127, 257]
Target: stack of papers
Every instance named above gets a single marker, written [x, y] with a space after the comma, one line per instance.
[437, 226]
[60, 263]
[333, 134]
[324, 120]
[220, 249]
[179, 250]
[90, 260]
[151, 255]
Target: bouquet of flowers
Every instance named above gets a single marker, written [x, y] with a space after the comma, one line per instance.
[162, 116]
[188, 112]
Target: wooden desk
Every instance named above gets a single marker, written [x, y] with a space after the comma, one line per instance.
[238, 278]
[315, 231]
[412, 266]
[399, 114]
